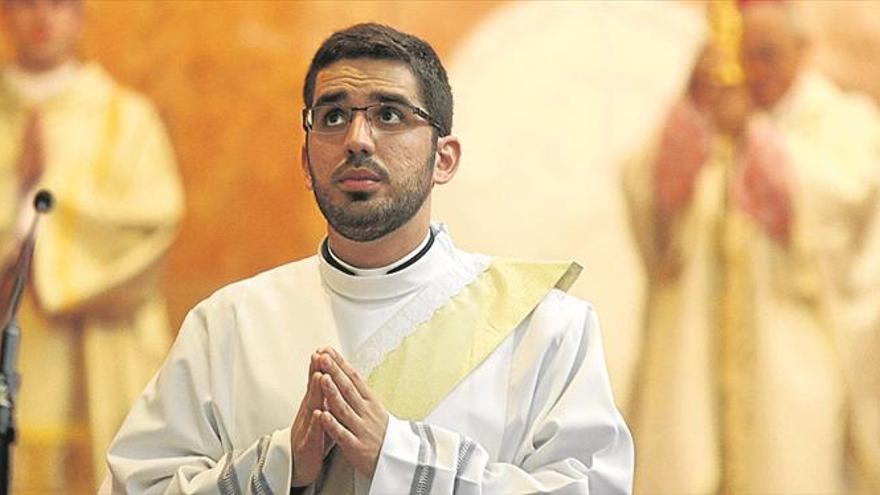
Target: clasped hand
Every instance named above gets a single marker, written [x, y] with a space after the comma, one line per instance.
[338, 408]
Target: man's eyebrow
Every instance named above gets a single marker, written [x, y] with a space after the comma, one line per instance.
[385, 97]
[379, 96]
[332, 97]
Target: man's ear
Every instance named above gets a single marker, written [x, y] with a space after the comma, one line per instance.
[446, 159]
[304, 163]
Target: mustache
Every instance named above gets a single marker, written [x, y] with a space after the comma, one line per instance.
[361, 162]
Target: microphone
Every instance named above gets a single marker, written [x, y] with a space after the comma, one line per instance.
[11, 334]
[43, 202]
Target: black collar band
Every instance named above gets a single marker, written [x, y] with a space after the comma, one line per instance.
[325, 252]
[332, 261]
[417, 256]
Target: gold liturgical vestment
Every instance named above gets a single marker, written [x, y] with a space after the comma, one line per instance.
[94, 327]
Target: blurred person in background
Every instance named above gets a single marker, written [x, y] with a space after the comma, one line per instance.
[787, 400]
[93, 322]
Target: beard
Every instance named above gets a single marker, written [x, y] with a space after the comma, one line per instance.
[364, 217]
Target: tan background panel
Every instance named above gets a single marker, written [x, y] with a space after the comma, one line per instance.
[227, 76]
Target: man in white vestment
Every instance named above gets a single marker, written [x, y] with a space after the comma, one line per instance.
[759, 371]
[94, 325]
[391, 361]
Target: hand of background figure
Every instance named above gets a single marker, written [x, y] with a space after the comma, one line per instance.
[31, 161]
[727, 107]
[762, 188]
[684, 148]
[355, 418]
[307, 438]
[703, 89]
[732, 110]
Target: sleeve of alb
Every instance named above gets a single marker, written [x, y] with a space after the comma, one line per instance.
[175, 440]
[577, 441]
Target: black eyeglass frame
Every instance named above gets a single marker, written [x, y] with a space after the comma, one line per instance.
[307, 125]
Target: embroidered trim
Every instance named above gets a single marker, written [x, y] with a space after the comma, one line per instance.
[227, 483]
[419, 310]
[465, 452]
[423, 478]
[259, 483]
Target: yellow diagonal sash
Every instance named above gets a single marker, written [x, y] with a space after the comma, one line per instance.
[440, 353]
[432, 360]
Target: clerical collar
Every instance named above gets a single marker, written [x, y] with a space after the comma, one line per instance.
[421, 269]
[392, 268]
[36, 88]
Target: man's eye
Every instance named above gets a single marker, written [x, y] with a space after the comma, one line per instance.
[390, 115]
[334, 118]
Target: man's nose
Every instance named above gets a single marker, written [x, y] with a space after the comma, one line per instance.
[359, 137]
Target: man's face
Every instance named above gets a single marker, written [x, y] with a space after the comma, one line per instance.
[44, 33]
[771, 53]
[368, 183]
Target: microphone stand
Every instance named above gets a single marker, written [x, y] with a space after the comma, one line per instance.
[9, 378]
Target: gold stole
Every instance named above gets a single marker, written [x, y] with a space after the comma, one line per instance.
[440, 353]
[735, 346]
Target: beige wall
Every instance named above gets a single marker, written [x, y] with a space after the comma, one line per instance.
[226, 75]
[845, 38]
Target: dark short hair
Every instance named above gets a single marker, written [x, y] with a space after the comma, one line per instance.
[377, 41]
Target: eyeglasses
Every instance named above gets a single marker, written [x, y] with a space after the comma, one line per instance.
[388, 117]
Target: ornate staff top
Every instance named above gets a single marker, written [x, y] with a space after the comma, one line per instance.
[726, 24]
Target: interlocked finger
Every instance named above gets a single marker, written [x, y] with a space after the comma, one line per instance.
[338, 405]
[314, 394]
[353, 375]
[314, 429]
[337, 431]
[315, 362]
[344, 384]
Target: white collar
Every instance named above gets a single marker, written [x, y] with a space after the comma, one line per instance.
[36, 88]
[383, 270]
[383, 285]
